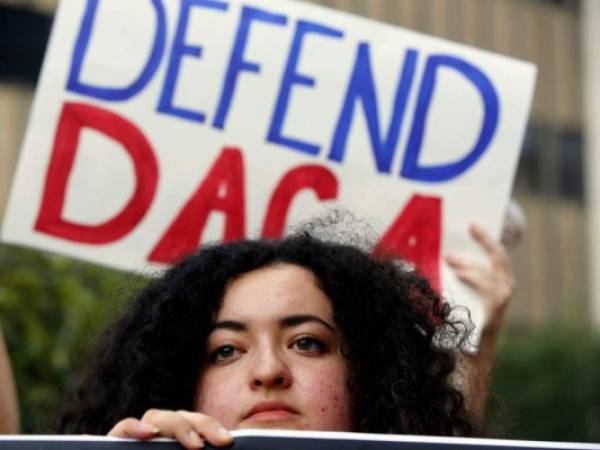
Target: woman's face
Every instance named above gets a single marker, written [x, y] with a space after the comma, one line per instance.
[274, 358]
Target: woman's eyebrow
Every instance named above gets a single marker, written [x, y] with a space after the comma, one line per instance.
[229, 325]
[292, 321]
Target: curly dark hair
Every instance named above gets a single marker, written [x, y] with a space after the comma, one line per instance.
[397, 334]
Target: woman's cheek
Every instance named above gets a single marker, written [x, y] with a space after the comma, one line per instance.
[329, 401]
[217, 399]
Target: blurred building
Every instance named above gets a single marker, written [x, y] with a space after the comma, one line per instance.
[550, 264]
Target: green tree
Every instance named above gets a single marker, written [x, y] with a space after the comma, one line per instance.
[51, 309]
[546, 385]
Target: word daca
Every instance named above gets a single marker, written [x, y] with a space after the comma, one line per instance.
[415, 234]
[361, 89]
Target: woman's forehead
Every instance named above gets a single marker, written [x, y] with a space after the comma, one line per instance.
[274, 292]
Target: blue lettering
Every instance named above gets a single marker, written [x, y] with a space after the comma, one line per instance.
[292, 77]
[74, 84]
[237, 62]
[179, 50]
[362, 88]
[443, 172]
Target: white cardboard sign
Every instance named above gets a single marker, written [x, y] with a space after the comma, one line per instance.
[161, 124]
[284, 439]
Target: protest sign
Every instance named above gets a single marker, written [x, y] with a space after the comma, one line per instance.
[162, 124]
[290, 440]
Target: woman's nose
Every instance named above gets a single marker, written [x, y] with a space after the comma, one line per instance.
[270, 370]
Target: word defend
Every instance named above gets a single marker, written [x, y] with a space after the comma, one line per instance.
[210, 120]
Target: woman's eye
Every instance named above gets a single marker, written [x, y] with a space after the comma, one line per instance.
[309, 344]
[224, 352]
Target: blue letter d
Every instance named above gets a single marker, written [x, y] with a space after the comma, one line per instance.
[443, 172]
[74, 83]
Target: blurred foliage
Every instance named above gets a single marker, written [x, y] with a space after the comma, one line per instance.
[51, 309]
[546, 385]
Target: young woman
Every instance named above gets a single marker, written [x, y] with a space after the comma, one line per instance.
[299, 333]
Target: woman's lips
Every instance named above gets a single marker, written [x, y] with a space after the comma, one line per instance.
[271, 416]
[270, 411]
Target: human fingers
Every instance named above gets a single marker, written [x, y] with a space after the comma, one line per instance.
[494, 285]
[497, 284]
[462, 264]
[174, 425]
[458, 260]
[467, 270]
[189, 429]
[501, 267]
[474, 277]
[489, 244]
[209, 428]
[135, 429]
[495, 249]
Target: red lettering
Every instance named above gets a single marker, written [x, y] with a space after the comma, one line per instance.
[311, 176]
[415, 236]
[74, 117]
[222, 190]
